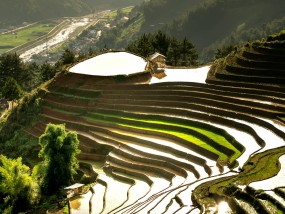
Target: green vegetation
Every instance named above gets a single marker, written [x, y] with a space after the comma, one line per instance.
[16, 38]
[150, 126]
[18, 189]
[67, 57]
[59, 150]
[67, 95]
[120, 12]
[11, 90]
[14, 13]
[209, 133]
[259, 167]
[224, 51]
[198, 21]
[178, 53]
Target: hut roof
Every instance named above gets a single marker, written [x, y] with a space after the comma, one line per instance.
[156, 54]
[74, 186]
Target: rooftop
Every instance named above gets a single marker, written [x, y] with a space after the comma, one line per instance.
[156, 54]
[74, 186]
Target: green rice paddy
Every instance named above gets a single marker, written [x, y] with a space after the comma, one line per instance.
[185, 136]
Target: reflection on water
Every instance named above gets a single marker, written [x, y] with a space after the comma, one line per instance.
[80, 204]
[247, 207]
[75, 203]
[223, 208]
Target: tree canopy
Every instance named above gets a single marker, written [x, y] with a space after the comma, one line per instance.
[18, 190]
[11, 66]
[67, 57]
[27, 75]
[59, 150]
[177, 52]
[12, 90]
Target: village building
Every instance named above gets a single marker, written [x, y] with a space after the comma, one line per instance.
[74, 189]
[159, 59]
[157, 65]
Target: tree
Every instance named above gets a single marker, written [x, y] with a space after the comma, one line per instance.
[143, 46]
[224, 51]
[173, 52]
[11, 66]
[11, 90]
[188, 53]
[59, 150]
[161, 42]
[17, 187]
[47, 71]
[67, 57]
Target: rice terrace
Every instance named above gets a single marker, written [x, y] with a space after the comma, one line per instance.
[209, 140]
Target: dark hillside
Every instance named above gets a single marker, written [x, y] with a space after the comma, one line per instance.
[159, 12]
[217, 19]
[16, 12]
[208, 24]
[150, 16]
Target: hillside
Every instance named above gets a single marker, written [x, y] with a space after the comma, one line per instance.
[224, 17]
[147, 17]
[173, 146]
[111, 4]
[17, 12]
[14, 12]
[207, 24]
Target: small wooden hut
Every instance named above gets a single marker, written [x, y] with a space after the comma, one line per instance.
[158, 58]
[74, 189]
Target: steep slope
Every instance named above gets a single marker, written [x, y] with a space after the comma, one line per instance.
[223, 17]
[148, 17]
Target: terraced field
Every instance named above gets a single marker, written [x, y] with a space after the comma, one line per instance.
[175, 147]
[258, 63]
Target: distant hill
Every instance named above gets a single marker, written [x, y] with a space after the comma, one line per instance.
[217, 19]
[147, 17]
[159, 12]
[110, 4]
[16, 11]
[208, 24]
[13, 12]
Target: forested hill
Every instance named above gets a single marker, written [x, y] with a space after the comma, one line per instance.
[13, 12]
[159, 12]
[218, 18]
[208, 24]
[18, 11]
[147, 17]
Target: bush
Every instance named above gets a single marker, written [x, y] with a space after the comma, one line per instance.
[17, 185]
